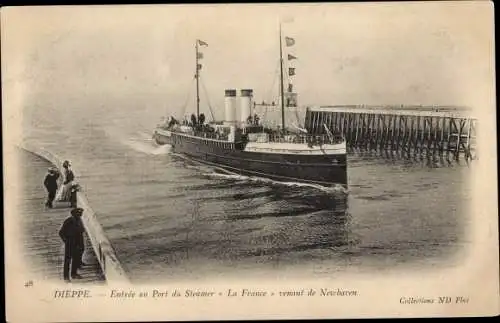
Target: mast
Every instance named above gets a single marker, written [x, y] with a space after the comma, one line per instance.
[282, 94]
[197, 76]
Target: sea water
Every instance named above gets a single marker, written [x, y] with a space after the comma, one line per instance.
[170, 218]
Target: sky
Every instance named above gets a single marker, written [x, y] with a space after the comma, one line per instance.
[409, 53]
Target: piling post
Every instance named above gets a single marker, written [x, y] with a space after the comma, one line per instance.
[338, 121]
[457, 149]
[335, 119]
[385, 130]
[321, 122]
[366, 123]
[448, 139]
[390, 132]
[393, 132]
[468, 154]
[435, 136]
[348, 127]
[382, 130]
[387, 123]
[355, 125]
[328, 122]
[441, 139]
[318, 122]
[398, 132]
[361, 124]
[367, 131]
[422, 136]
[411, 138]
[352, 130]
[404, 144]
[371, 134]
[377, 131]
[363, 129]
[472, 139]
[429, 135]
[417, 135]
[342, 123]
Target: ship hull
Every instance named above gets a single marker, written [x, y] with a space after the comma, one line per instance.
[324, 170]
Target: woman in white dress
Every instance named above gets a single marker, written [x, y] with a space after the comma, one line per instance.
[68, 182]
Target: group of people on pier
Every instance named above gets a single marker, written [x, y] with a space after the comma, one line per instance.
[51, 185]
[72, 229]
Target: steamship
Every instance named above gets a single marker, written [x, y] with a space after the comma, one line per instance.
[248, 148]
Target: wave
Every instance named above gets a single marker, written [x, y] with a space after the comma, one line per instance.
[335, 188]
[147, 147]
[139, 141]
[145, 135]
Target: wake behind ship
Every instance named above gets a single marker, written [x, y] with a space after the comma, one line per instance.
[247, 147]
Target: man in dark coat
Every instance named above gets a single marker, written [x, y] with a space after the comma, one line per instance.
[71, 233]
[50, 184]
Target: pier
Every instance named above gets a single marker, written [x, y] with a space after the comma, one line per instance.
[42, 243]
[429, 131]
[43, 248]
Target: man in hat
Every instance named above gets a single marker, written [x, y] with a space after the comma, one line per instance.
[50, 184]
[71, 233]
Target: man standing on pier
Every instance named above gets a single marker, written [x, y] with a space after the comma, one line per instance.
[50, 184]
[71, 233]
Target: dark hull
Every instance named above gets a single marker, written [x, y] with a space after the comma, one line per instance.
[325, 170]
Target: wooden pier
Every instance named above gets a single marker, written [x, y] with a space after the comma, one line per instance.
[43, 248]
[430, 131]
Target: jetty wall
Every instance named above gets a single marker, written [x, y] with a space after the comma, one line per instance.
[110, 265]
[430, 131]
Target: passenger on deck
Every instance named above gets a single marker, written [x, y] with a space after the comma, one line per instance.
[50, 184]
[68, 182]
[256, 120]
[71, 233]
[310, 141]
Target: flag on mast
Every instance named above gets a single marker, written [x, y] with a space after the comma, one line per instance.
[290, 87]
[290, 57]
[202, 43]
[199, 67]
[289, 41]
[291, 71]
[199, 55]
